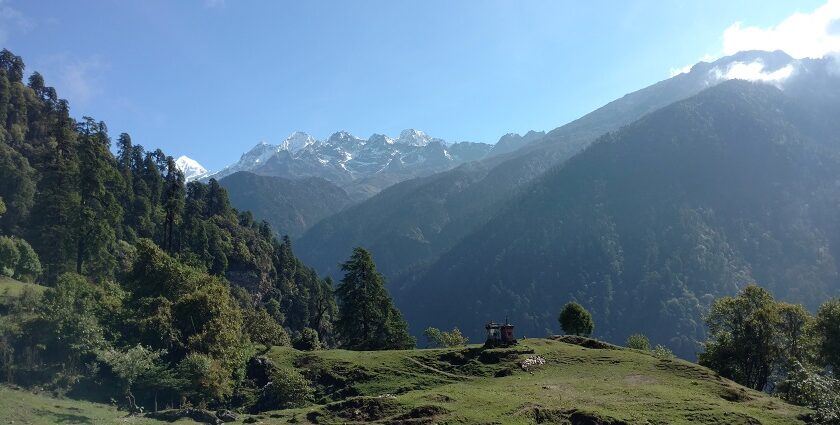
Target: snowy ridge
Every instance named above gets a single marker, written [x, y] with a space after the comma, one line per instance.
[191, 168]
[344, 158]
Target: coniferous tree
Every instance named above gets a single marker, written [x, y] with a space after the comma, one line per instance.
[367, 318]
[173, 203]
[99, 212]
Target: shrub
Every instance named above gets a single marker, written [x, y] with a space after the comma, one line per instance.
[307, 340]
[819, 392]
[638, 342]
[28, 266]
[263, 329]
[286, 388]
[438, 338]
[662, 352]
[203, 379]
[9, 256]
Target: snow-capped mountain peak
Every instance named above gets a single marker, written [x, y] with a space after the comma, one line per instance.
[296, 142]
[413, 137]
[191, 168]
[358, 165]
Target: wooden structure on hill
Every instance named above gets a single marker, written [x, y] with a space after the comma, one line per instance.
[499, 335]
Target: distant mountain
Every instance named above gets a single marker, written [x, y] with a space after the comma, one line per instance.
[191, 168]
[512, 141]
[289, 206]
[411, 224]
[647, 226]
[361, 167]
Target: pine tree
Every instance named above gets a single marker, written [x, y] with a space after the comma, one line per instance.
[99, 212]
[367, 318]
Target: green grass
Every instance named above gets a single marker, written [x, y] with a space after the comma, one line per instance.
[11, 288]
[459, 385]
[23, 407]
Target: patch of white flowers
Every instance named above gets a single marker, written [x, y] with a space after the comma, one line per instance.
[531, 362]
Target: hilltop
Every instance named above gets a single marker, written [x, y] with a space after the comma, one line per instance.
[576, 385]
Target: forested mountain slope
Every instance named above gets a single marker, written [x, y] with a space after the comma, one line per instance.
[736, 184]
[289, 206]
[412, 223]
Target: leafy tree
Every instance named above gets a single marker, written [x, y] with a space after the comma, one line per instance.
[203, 378]
[828, 334]
[263, 329]
[132, 365]
[73, 318]
[17, 188]
[439, 338]
[814, 390]
[575, 320]
[307, 340]
[638, 342]
[28, 266]
[367, 318]
[2, 207]
[9, 256]
[286, 388]
[753, 338]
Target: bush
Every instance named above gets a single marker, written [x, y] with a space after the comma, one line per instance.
[307, 340]
[9, 256]
[638, 342]
[806, 388]
[28, 266]
[438, 338]
[203, 379]
[662, 352]
[286, 388]
[263, 329]
[575, 320]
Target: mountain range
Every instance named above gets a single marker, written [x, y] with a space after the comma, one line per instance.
[438, 234]
[362, 167]
[643, 210]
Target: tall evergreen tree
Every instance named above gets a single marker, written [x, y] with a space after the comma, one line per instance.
[367, 318]
[173, 203]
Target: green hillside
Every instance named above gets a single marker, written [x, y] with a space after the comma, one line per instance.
[653, 222]
[289, 206]
[576, 385]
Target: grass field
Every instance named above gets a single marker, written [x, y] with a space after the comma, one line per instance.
[469, 385]
[10, 287]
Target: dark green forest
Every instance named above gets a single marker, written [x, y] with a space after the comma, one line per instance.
[651, 223]
[151, 284]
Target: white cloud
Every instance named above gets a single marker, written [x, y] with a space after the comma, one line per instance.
[11, 20]
[79, 79]
[801, 35]
[754, 71]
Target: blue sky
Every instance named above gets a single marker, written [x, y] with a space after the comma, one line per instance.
[210, 79]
